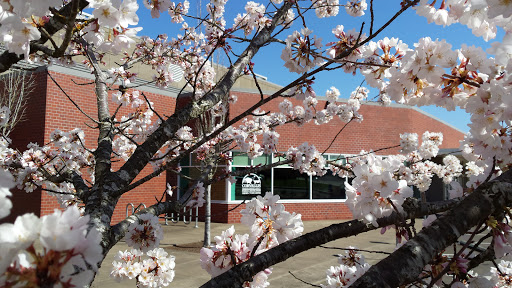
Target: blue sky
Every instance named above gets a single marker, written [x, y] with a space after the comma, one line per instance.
[408, 27]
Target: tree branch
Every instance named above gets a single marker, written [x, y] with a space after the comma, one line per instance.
[405, 264]
[118, 231]
[56, 23]
[145, 152]
[236, 276]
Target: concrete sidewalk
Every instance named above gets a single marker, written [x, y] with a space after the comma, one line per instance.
[184, 242]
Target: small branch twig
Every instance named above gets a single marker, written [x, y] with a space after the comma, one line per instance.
[310, 284]
[69, 98]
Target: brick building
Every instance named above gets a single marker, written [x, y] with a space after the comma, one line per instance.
[313, 197]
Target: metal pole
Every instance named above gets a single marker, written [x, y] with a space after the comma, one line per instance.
[197, 217]
[207, 217]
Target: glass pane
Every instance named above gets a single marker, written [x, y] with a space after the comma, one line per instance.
[277, 159]
[195, 161]
[185, 161]
[249, 186]
[263, 160]
[329, 187]
[192, 172]
[183, 182]
[241, 159]
[340, 159]
[291, 184]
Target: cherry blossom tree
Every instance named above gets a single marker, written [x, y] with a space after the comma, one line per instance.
[75, 241]
[18, 85]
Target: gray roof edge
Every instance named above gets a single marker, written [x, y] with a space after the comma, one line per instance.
[452, 151]
[250, 90]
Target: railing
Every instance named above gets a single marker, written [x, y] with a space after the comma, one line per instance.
[171, 216]
[134, 209]
[175, 217]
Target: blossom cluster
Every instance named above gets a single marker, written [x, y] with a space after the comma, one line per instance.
[145, 233]
[298, 55]
[270, 225]
[70, 251]
[6, 182]
[110, 31]
[307, 159]
[502, 274]
[375, 192]
[351, 266]
[149, 265]
[254, 18]
[155, 268]
[381, 184]
[30, 168]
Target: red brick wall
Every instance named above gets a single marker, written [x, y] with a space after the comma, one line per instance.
[380, 128]
[51, 110]
[309, 211]
[29, 130]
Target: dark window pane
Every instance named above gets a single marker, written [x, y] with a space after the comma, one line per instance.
[183, 182]
[192, 172]
[185, 161]
[291, 184]
[241, 193]
[329, 187]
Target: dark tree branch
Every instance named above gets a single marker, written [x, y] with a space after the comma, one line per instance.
[56, 23]
[105, 137]
[236, 276]
[118, 231]
[70, 26]
[145, 152]
[405, 264]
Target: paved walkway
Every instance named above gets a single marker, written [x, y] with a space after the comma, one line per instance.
[184, 242]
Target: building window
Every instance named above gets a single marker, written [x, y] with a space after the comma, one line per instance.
[238, 192]
[239, 189]
[328, 187]
[191, 168]
[289, 184]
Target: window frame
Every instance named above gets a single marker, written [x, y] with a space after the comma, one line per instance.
[190, 166]
[330, 156]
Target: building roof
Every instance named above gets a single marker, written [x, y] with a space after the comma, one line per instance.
[143, 82]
